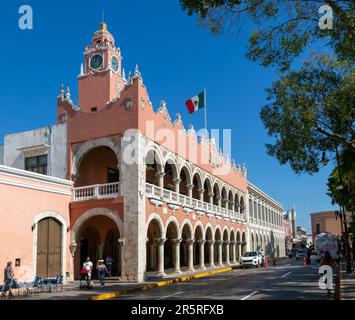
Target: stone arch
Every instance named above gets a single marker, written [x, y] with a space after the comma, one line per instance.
[187, 236]
[36, 220]
[154, 165]
[92, 213]
[160, 223]
[197, 183]
[216, 193]
[199, 224]
[96, 240]
[158, 155]
[236, 202]
[252, 241]
[88, 146]
[172, 232]
[187, 223]
[172, 219]
[225, 244]
[199, 236]
[224, 195]
[244, 243]
[209, 232]
[241, 205]
[185, 176]
[209, 236]
[155, 235]
[207, 186]
[218, 237]
[230, 199]
[232, 252]
[171, 173]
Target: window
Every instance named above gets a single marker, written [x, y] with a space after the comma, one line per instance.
[318, 228]
[36, 164]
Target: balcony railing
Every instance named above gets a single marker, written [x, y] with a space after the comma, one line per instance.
[97, 191]
[185, 201]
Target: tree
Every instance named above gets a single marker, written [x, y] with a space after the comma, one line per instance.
[345, 195]
[310, 110]
[282, 29]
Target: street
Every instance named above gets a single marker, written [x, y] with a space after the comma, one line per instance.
[289, 280]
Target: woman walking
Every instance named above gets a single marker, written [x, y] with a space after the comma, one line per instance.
[102, 270]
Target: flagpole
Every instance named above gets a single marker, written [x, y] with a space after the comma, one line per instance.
[205, 102]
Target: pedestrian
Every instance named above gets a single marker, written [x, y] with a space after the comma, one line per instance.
[109, 261]
[309, 252]
[8, 277]
[87, 265]
[327, 260]
[102, 270]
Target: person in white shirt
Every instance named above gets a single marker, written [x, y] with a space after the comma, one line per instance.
[87, 265]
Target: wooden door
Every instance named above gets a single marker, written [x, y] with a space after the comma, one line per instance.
[49, 248]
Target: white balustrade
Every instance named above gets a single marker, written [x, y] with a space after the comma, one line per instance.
[97, 191]
[183, 200]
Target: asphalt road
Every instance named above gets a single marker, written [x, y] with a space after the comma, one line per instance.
[289, 280]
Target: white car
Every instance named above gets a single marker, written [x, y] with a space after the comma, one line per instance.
[251, 258]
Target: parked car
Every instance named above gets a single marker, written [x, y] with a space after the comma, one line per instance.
[301, 254]
[251, 258]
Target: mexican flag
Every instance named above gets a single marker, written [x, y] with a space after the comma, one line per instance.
[196, 102]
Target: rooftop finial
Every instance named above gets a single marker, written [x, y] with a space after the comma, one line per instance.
[67, 94]
[103, 25]
[123, 74]
[136, 71]
[62, 91]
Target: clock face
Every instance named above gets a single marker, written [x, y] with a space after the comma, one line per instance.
[114, 63]
[96, 61]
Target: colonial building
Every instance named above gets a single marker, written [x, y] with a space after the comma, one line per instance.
[265, 226]
[129, 182]
[327, 221]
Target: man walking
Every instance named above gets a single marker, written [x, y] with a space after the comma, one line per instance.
[109, 265]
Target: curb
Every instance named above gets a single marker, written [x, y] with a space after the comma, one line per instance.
[115, 294]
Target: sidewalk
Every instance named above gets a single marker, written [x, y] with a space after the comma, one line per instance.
[71, 291]
[347, 284]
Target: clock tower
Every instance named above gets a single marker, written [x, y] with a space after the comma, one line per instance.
[100, 79]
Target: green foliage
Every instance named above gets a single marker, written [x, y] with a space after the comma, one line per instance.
[352, 225]
[310, 111]
[282, 29]
[346, 195]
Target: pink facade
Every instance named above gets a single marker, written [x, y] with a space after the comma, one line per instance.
[27, 199]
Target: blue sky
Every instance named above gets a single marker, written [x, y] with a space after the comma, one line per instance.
[177, 59]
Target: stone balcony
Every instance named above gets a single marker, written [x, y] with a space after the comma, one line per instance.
[159, 195]
[96, 192]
